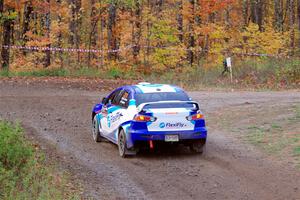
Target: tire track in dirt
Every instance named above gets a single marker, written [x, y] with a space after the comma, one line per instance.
[60, 120]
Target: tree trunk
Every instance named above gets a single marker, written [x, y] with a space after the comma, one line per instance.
[59, 37]
[7, 32]
[191, 40]
[298, 17]
[298, 14]
[199, 53]
[260, 14]
[159, 4]
[148, 31]
[93, 33]
[227, 18]
[180, 21]
[137, 31]
[101, 35]
[47, 61]
[292, 19]
[246, 12]
[111, 31]
[75, 22]
[1, 11]
[94, 22]
[28, 9]
[75, 25]
[72, 22]
[278, 11]
[257, 13]
[1, 6]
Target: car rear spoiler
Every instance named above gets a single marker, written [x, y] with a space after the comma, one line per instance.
[143, 105]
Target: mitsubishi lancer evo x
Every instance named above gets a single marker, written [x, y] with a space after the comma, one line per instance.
[142, 115]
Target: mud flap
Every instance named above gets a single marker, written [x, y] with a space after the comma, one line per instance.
[129, 143]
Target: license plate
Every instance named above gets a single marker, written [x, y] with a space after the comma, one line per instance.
[171, 138]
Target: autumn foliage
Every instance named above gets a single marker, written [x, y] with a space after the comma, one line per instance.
[150, 35]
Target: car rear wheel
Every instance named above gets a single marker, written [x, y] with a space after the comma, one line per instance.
[198, 146]
[122, 145]
[95, 130]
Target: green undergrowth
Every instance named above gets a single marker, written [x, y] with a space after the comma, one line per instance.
[257, 73]
[36, 73]
[24, 173]
[112, 73]
[261, 73]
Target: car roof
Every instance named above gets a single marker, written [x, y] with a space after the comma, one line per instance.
[152, 88]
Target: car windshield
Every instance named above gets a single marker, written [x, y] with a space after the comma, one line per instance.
[162, 96]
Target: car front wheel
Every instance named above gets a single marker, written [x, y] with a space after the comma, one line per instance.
[95, 130]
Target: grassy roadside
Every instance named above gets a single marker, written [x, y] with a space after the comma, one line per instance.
[274, 139]
[24, 173]
[256, 74]
[279, 137]
[273, 129]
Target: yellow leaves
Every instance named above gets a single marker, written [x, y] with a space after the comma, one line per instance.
[55, 30]
[250, 40]
[218, 32]
[217, 36]
[269, 41]
[100, 5]
[165, 59]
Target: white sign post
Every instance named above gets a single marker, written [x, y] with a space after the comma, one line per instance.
[228, 62]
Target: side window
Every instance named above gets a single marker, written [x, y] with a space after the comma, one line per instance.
[124, 100]
[112, 96]
[117, 97]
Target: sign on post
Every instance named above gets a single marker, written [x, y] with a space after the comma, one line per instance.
[228, 63]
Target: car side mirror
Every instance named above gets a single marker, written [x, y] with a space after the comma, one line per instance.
[104, 100]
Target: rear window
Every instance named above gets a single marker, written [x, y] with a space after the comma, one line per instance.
[160, 96]
[188, 105]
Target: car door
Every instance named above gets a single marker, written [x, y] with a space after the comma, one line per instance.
[106, 109]
[118, 113]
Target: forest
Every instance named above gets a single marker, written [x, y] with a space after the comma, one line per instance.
[146, 35]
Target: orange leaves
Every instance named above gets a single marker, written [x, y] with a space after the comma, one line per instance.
[207, 27]
[37, 40]
[208, 7]
[10, 4]
[188, 11]
[203, 30]
[40, 6]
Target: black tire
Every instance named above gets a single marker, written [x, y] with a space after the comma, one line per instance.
[122, 146]
[198, 146]
[95, 131]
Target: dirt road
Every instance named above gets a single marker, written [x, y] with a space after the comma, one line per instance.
[59, 119]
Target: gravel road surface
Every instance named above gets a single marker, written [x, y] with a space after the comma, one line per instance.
[59, 119]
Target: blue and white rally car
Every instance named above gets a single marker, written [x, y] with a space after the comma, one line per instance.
[142, 115]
